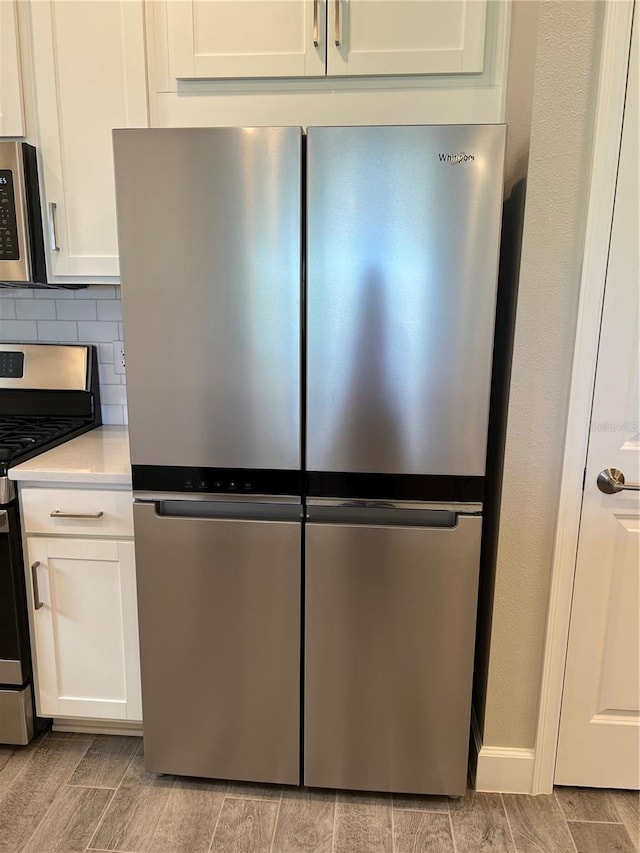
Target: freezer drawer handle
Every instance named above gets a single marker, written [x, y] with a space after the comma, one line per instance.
[36, 593]
[58, 513]
[228, 510]
[378, 514]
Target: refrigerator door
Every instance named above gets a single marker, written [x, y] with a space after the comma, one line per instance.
[219, 616]
[389, 643]
[209, 229]
[402, 254]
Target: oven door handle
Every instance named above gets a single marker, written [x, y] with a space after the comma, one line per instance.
[36, 593]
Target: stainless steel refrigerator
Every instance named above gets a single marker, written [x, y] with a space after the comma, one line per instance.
[308, 325]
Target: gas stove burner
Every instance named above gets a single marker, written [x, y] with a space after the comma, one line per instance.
[20, 435]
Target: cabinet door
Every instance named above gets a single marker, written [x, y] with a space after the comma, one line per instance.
[89, 77]
[85, 631]
[246, 38]
[405, 36]
[11, 118]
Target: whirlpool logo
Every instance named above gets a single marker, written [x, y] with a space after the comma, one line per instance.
[462, 157]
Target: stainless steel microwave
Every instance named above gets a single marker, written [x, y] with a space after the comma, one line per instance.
[22, 256]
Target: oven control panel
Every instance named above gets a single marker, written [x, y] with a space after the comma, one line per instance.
[44, 367]
[11, 364]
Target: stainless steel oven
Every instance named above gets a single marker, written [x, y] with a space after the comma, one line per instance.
[16, 700]
[48, 394]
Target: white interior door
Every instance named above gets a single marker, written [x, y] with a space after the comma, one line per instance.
[599, 741]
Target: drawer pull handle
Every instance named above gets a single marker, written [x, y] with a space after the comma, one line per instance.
[58, 513]
[36, 593]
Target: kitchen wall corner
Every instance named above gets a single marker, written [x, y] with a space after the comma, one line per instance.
[89, 316]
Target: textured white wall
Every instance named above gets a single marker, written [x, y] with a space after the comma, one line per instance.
[565, 83]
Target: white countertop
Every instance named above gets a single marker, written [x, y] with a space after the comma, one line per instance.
[100, 456]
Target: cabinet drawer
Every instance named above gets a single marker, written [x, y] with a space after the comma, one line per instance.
[75, 512]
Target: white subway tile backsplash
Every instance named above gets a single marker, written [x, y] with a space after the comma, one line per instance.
[92, 315]
[105, 353]
[15, 293]
[7, 310]
[18, 330]
[114, 395]
[107, 374]
[57, 331]
[112, 414]
[109, 309]
[93, 332]
[77, 310]
[36, 309]
[53, 293]
[98, 291]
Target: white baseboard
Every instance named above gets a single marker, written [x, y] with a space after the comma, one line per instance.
[500, 768]
[509, 771]
[96, 727]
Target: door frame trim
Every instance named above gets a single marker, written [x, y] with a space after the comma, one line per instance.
[606, 148]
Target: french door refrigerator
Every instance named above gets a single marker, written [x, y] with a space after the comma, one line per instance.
[308, 325]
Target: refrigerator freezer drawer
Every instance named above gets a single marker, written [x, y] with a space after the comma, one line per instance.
[389, 643]
[219, 614]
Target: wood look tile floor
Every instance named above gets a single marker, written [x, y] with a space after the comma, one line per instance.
[76, 793]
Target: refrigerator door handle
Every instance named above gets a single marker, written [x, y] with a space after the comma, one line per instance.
[459, 507]
[381, 515]
[228, 510]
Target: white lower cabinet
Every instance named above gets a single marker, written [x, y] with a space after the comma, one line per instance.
[83, 606]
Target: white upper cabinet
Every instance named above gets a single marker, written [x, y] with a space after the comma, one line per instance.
[89, 77]
[246, 38]
[302, 38]
[405, 36]
[11, 116]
